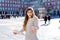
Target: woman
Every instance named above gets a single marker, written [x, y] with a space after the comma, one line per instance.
[30, 25]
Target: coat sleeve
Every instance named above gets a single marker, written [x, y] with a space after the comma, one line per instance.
[36, 23]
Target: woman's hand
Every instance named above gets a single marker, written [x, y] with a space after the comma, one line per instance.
[33, 29]
[15, 32]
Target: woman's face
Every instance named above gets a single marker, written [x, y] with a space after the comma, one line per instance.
[29, 13]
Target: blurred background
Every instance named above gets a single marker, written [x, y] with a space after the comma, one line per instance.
[16, 8]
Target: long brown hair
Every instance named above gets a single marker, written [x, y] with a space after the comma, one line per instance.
[26, 18]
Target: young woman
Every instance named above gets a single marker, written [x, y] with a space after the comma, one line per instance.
[30, 25]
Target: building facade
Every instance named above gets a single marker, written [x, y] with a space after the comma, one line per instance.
[53, 5]
[14, 6]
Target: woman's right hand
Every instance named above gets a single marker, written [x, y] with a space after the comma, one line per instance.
[33, 30]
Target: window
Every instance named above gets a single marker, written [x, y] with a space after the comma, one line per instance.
[2, 0]
[11, 8]
[2, 8]
[5, 8]
[58, 2]
[54, 7]
[58, 7]
[8, 1]
[48, 3]
[49, 0]
[44, 0]
[3, 5]
[8, 8]
[10, 5]
[54, 3]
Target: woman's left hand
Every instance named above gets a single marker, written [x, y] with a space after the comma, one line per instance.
[33, 29]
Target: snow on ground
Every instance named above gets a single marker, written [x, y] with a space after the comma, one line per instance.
[46, 32]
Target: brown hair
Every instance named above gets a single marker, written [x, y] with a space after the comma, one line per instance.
[26, 19]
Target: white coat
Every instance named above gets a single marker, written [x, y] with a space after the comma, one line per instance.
[33, 22]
